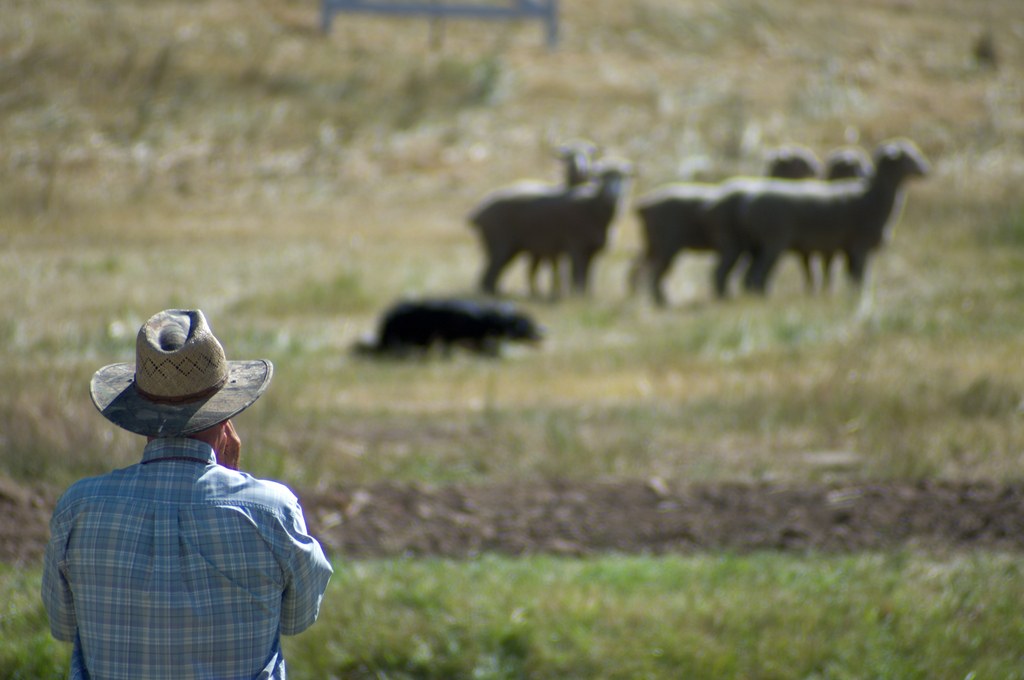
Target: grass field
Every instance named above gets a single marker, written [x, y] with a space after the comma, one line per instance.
[767, 616]
[224, 155]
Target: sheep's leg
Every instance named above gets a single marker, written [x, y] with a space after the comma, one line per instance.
[857, 264]
[656, 270]
[489, 280]
[580, 271]
[727, 259]
[826, 271]
[748, 276]
[761, 269]
[808, 271]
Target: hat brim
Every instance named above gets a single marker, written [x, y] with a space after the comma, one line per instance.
[113, 391]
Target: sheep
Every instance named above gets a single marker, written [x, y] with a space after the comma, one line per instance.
[672, 220]
[719, 214]
[850, 216]
[578, 157]
[675, 217]
[798, 162]
[848, 162]
[671, 217]
[793, 162]
[546, 220]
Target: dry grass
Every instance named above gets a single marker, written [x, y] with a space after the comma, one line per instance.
[223, 155]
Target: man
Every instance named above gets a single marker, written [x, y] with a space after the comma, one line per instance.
[180, 566]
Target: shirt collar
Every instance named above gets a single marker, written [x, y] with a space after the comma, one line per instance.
[179, 447]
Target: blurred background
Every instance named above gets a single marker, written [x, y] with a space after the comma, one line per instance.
[293, 184]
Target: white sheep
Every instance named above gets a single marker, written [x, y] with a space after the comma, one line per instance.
[547, 221]
[768, 216]
[793, 162]
[578, 156]
[672, 220]
[848, 162]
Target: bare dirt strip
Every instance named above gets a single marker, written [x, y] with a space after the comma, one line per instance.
[630, 517]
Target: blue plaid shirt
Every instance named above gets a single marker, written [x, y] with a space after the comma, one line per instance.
[180, 568]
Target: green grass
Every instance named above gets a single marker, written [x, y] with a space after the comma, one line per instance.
[902, 615]
[26, 648]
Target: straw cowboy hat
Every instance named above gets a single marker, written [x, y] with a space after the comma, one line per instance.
[181, 383]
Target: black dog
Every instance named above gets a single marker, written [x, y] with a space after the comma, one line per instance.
[415, 327]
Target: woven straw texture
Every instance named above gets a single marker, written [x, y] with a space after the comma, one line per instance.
[177, 355]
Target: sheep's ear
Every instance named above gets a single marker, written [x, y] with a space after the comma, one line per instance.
[889, 151]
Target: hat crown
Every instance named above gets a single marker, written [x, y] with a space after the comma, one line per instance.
[177, 356]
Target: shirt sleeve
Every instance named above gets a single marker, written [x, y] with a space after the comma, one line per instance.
[56, 590]
[308, 574]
